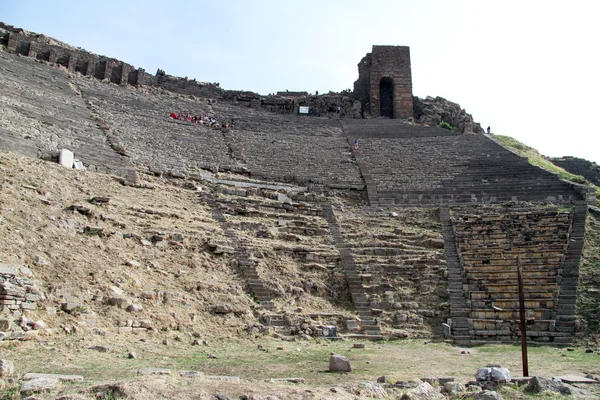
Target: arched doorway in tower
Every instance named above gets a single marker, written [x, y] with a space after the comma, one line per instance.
[386, 97]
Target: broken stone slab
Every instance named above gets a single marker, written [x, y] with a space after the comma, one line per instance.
[223, 378]
[63, 378]
[291, 380]
[154, 371]
[339, 363]
[7, 270]
[574, 379]
[38, 385]
[191, 374]
[78, 165]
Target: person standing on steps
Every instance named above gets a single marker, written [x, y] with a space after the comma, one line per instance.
[355, 144]
[489, 130]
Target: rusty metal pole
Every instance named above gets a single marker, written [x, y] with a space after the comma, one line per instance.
[522, 315]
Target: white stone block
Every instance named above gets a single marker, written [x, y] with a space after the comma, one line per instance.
[66, 158]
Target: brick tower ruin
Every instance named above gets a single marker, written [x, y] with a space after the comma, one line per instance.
[384, 85]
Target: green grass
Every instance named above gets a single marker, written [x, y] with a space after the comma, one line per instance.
[398, 360]
[535, 158]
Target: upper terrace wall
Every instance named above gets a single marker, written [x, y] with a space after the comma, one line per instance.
[74, 59]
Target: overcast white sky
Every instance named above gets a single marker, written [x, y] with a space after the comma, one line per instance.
[529, 69]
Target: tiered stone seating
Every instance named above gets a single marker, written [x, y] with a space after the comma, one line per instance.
[140, 122]
[317, 160]
[489, 244]
[389, 128]
[42, 113]
[400, 263]
[288, 246]
[454, 170]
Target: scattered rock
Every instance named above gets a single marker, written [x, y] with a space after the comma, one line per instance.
[131, 355]
[493, 374]
[423, 392]
[221, 397]
[538, 384]
[339, 363]
[358, 345]
[135, 308]
[453, 388]
[370, 389]
[488, 395]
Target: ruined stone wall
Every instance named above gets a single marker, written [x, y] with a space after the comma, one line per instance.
[386, 62]
[43, 48]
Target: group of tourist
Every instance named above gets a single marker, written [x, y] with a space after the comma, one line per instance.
[200, 119]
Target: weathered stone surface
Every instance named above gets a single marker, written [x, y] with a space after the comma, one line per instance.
[154, 371]
[191, 374]
[223, 378]
[38, 385]
[5, 325]
[135, 308]
[7, 368]
[453, 388]
[538, 384]
[433, 111]
[370, 389]
[423, 392]
[63, 378]
[488, 395]
[493, 374]
[438, 380]
[339, 363]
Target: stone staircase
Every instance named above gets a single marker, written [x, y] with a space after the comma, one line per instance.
[283, 247]
[459, 312]
[489, 243]
[565, 309]
[398, 266]
[246, 265]
[359, 296]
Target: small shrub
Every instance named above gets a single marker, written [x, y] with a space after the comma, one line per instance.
[446, 125]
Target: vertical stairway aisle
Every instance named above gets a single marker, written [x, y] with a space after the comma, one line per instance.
[245, 263]
[357, 291]
[458, 304]
[565, 310]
